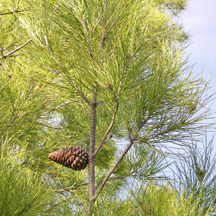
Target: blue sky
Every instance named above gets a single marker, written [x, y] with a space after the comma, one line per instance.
[199, 20]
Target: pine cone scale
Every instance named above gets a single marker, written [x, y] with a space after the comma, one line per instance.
[74, 157]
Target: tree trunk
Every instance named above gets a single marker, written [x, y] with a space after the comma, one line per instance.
[91, 166]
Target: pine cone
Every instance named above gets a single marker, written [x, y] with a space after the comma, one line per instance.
[74, 157]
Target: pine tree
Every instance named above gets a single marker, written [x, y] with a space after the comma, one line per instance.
[90, 74]
[22, 190]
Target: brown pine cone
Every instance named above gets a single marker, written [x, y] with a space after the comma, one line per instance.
[74, 157]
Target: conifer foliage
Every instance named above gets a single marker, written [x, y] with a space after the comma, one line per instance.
[109, 76]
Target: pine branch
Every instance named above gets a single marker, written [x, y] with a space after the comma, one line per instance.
[112, 121]
[120, 159]
[15, 50]
[66, 76]
[108, 130]
[140, 126]
[143, 122]
[105, 34]
[114, 167]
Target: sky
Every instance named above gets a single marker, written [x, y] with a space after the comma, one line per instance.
[199, 20]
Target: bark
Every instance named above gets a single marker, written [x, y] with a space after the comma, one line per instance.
[91, 166]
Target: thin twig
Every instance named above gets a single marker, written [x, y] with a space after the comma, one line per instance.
[80, 93]
[152, 137]
[12, 12]
[110, 28]
[70, 188]
[99, 102]
[54, 205]
[50, 69]
[113, 178]
[114, 22]
[105, 6]
[114, 114]
[57, 107]
[67, 77]
[48, 126]
[50, 50]
[131, 175]
[112, 121]
[87, 38]
[117, 163]
[20, 106]
[104, 28]
[111, 171]
[143, 123]
[107, 132]
[27, 162]
[15, 50]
